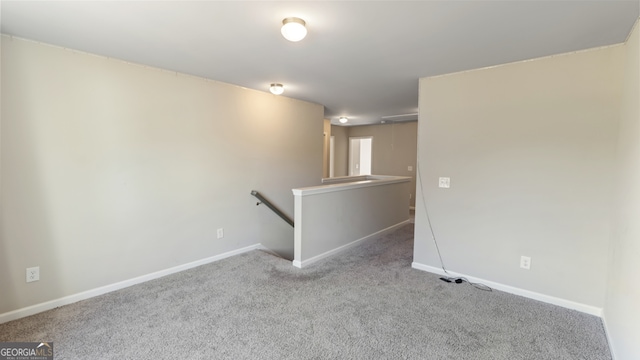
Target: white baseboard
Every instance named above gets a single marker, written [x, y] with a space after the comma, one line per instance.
[609, 340]
[52, 304]
[592, 310]
[301, 264]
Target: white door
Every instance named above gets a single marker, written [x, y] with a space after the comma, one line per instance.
[360, 155]
[332, 156]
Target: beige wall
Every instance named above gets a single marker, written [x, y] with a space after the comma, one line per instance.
[622, 309]
[530, 150]
[394, 149]
[341, 144]
[112, 170]
[330, 219]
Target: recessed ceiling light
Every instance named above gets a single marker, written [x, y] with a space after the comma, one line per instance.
[276, 89]
[293, 29]
[343, 120]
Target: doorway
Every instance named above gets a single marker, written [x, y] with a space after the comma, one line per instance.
[332, 156]
[360, 155]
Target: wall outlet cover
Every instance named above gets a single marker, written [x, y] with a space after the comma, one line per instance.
[33, 274]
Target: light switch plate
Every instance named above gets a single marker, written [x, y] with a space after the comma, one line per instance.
[444, 182]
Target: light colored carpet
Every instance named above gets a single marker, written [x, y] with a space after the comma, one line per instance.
[366, 303]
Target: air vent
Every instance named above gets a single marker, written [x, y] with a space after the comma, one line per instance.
[400, 118]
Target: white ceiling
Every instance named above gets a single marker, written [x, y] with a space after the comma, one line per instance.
[361, 59]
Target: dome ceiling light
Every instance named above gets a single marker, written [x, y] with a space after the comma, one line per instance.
[293, 29]
[276, 89]
[343, 120]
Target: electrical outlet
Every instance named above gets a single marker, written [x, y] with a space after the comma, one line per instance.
[220, 233]
[525, 262]
[444, 182]
[33, 274]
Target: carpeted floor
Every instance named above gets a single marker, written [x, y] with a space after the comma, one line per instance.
[366, 303]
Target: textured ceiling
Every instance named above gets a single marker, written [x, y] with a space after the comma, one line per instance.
[361, 59]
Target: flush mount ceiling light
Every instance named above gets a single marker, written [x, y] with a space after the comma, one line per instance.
[293, 29]
[343, 120]
[276, 89]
